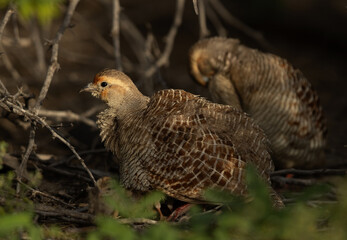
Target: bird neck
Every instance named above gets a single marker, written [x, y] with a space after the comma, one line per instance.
[131, 103]
[223, 91]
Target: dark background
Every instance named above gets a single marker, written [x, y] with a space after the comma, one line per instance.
[311, 34]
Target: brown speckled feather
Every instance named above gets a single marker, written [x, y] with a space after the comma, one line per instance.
[182, 144]
[275, 94]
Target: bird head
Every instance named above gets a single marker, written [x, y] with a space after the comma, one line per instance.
[207, 57]
[112, 86]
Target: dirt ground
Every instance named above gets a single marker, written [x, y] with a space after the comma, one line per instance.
[311, 34]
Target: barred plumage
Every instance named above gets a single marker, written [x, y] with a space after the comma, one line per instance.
[177, 142]
[276, 95]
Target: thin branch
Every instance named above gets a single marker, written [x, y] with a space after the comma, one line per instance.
[196, 8]
[137, 221]
[202, 19]
[309, 173]
[65, 173]
[293, 181]
[17, 38]
[33, 117]
[115, 34]
[16, 76]
[40, 53]
[170, 39]
[92, 111]
[60, 162]
[54, 58]
[3, 87]
[216, 22]
[233, 21]
[14, 73]
[37, 192]
[135, 38]
[66, 116]
[72, 216]
[4, 21]
[49, 76]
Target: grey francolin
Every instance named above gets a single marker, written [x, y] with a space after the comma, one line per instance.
[177, 142]
[276, 95]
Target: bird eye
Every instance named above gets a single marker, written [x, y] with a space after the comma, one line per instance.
[103, 84]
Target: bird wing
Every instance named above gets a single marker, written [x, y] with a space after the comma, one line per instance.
[194, 148]
[310, 111]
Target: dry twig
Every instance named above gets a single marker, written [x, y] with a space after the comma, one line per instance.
[40, 52]
[14, 73]
[293, 181]
[66, 116]
[4, 21]
[115, 34]
[35, 118]
[37, 192]
[202, 19]
[233, 21]
[216, 22]
[196, 8]
[54, 58]
[170, 39]
[43, 93]
[309, 173]
[71, 216]
[132, 221]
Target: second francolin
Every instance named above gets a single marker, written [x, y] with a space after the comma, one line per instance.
[275, 94]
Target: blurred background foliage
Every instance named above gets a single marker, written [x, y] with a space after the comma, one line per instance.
[237, 219]
[43, 10]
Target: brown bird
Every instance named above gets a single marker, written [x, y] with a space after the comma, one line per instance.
[177, 142]
[276, 95]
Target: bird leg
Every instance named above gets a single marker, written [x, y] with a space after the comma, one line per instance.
[178, 212]
[157, 206]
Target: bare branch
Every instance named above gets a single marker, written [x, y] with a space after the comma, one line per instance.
[33, 117]
[115, 34]
[294, 181]
[5, 20]
[66, 116]
[54, 58]
[216, 22]
[202, 19]
[309, 173]
[72, 216]
[49, 76]
[134, 37]
[170, 39]
[3, 87]
[14, 73]
[37, 192]
[196, 8]
[137, 221]
[233, 21]
[40, 53]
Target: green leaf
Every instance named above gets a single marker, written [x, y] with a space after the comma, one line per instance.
[43, 10]
[11, 222]
[109, 227]
[129, 206]
[161, 231]
[3, 150]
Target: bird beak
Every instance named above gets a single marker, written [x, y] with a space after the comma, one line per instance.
[203, 80]
[89, 88]
[195, 72]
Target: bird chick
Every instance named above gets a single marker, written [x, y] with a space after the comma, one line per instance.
[177, 142]
[276, 95]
